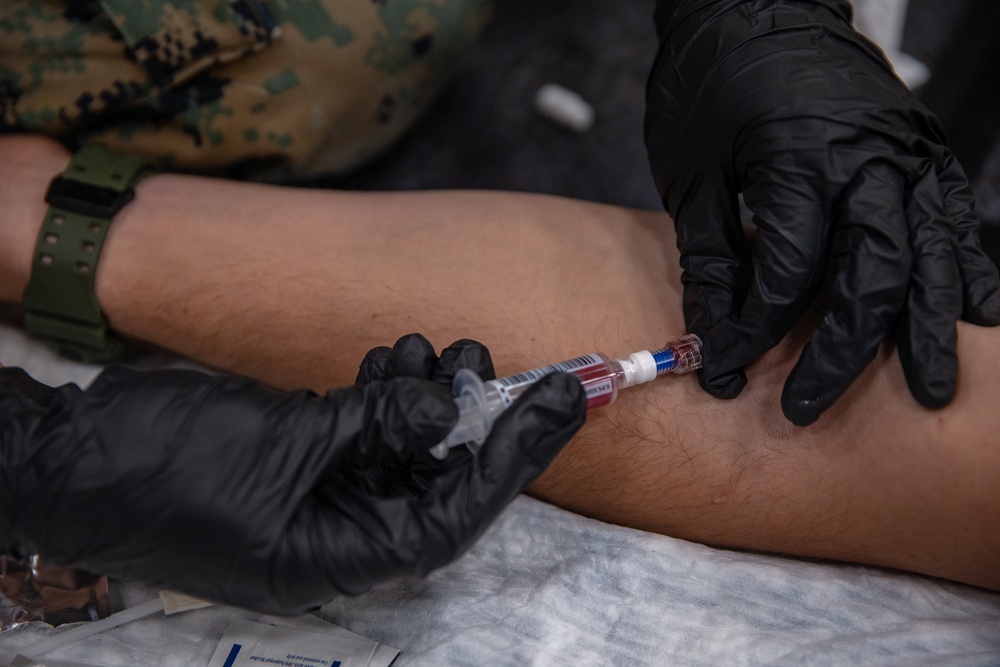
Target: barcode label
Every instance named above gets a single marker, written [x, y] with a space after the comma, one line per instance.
[538, 373]
[507, 385]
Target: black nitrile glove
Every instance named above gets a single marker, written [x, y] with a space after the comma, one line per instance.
[414, 356]
[785, 102]
[227, 490]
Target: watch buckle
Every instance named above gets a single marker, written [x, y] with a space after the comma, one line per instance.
[86, 199]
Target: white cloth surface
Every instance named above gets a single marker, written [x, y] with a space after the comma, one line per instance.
[548, 587]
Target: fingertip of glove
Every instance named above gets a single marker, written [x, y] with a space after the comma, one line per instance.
[934, 393]
[800, 411]
[412, 355]
[935, 401]
[723, 385]
[374, 365]
[804, 410]
[986, 313]
[465, 353]
[931, 370]
[412, 341]
[807, 394]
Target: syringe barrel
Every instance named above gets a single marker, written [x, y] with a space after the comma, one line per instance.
[479, 403]
[599, 375]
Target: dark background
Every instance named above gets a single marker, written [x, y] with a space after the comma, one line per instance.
[483, 131]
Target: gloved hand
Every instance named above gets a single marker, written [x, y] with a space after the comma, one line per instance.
[837, 160]
[413, 356]
[230, 491]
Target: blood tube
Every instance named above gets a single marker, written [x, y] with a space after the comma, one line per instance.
[479, 403]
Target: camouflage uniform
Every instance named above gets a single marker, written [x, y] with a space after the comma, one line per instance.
[253, 88]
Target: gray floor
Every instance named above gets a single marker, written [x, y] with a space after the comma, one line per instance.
[484, 133]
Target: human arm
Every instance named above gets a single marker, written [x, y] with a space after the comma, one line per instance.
[841, 166]
[219, 270]
[877, 479]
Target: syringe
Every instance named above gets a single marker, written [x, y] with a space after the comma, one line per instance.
[479, 403]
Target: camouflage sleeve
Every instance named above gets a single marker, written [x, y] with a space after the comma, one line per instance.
[267, 89]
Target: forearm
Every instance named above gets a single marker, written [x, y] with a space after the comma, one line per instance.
[878, 480]
[200, 266]
[293, 286]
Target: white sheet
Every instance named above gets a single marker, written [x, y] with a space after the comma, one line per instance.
[548, 587]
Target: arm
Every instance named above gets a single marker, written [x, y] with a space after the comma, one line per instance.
[219, 270]
[260, 280]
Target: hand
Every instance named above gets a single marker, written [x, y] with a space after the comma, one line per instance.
[842, 168]
[414, 356]
[227, 490]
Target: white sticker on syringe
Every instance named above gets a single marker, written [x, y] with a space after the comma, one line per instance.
[512, 386]
[599, 389]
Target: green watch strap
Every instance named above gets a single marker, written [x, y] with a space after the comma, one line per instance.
[60, 302]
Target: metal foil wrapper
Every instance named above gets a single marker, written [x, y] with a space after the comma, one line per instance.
[34, 591]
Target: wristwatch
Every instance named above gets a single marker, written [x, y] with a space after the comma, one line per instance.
[60, 302]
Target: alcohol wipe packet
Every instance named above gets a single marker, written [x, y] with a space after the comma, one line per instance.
[251, 644]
